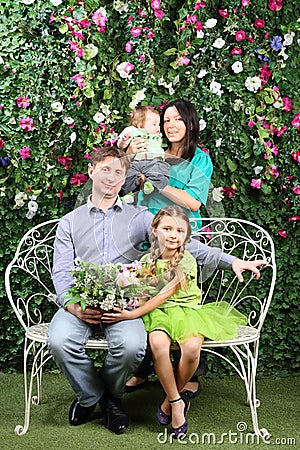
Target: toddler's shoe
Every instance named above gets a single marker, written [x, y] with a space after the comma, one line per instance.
[148, 188]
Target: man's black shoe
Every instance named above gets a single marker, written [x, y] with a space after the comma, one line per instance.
[116, 420]
[80, 414]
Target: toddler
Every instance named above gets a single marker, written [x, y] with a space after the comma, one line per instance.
[148, 170]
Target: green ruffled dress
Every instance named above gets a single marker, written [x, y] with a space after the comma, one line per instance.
[182, 316]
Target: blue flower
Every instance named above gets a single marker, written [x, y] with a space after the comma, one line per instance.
[276, 43]
[261, 56]
[4, 162]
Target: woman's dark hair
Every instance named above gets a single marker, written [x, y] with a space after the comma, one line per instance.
[190, 118]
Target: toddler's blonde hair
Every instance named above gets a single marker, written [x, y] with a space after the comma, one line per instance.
[137, 117]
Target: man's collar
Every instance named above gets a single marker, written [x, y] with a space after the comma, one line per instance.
[90, 205]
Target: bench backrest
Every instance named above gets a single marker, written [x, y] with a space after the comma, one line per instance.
[28, 276]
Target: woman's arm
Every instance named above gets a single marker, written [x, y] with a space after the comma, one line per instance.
[181, 198]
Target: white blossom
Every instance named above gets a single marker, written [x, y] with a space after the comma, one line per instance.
[57, 107]
[137, 98]
[68, 120]
[105, 109]
[200, 34]
[202, 124]
[217, 194]
[202, 73]
[20, 199]
[210, 23]
[258, 169]
[56, 2]
[28, 2]
[238, 104]
[219, 142]
[253, 84]
[120, 6]
[33, 206]
[219, 43]
[121, 69]
[237, 67]
[288, 38]
[215, 88]
[73, 137]
[98, 117]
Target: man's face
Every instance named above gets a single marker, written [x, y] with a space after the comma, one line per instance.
[108, 177]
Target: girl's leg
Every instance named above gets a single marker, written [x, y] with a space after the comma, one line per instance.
[160, 346]
[189, 360]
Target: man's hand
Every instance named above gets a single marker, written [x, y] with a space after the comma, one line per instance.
[117, 315]
[239, 266]
[89, 315]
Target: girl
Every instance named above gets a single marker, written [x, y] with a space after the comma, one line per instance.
[175, 313]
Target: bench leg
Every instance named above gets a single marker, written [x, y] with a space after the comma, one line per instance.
[39, 351]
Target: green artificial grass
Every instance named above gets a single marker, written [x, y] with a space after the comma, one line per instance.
[219, 409]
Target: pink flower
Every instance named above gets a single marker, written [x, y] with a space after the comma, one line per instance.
[27, 123]
[99, 18]
[79, 179]
[78, 78]
[191, 19]
[1, 143]
[251, 123]
[287, 104]
[23, 101]
[256, 183]
[273, 172]
[199, 26]
[294, 218]
[128, 68]
[60, 195]
[296, 190]
[150, 35]
[128, 46]
[155, 4]
[259, 23]
[282, 130]
[295, 155]
[236, 51]
[224, 13]
[75, 47]
[199, 5]
[141, 57]
[282, 233]
[159, 14]
[65, 161]
[296, 122]
[244, 3]
[78, 35]
[275, 5]
[136, 31]
[265, 74]
[240, 35]
[229, 191]
[182, 61]
[25, 152]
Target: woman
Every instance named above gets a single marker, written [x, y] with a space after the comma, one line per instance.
[190, 173]
[190, 167]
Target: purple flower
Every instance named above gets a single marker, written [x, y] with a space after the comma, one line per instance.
[276, 43]
[4, 162]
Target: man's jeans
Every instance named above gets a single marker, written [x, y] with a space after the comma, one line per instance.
[68, 335]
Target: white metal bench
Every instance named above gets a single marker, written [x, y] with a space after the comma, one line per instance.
[29, 286]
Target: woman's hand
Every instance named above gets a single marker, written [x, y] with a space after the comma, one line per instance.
[240, 265]
[137, 145]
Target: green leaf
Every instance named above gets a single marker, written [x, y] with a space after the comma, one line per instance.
[171, 51]
[63, 28]
[232, 166]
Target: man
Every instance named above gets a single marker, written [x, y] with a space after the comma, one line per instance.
[106, 230]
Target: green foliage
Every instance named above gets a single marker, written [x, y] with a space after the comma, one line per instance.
[176, 51]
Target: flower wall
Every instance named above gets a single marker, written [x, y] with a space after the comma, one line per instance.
[72, 71]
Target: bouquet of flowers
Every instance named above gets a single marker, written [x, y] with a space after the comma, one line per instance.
[107, 286]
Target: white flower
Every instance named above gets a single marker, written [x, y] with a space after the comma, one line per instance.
[90, 51]
[217, 194]
[20, 199]
[258, 169]
[122, 69]
[219, 43]
[219, 142]
[202, 124]
[68, 120]
[200, 34]
[57, 107]
[215, 88]
[237, 67]
[99, 117]
[202, 73]
[207, 108]
[105, 109]
[28, 2]
[253, 84]
[49, 167]
[278, 104]
[288, 38]
[238, 104]
[210, 23]
[73, 137]
[1, 60]
[30, 215]
[283, 54]
[33, 206]
[138, 97]
[176, 80]
[120, 6]
[56, 2]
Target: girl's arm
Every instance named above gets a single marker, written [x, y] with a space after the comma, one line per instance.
[181, 198]
[154, 302]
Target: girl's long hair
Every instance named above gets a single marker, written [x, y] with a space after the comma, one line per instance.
[173, 268]
[190, 118]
